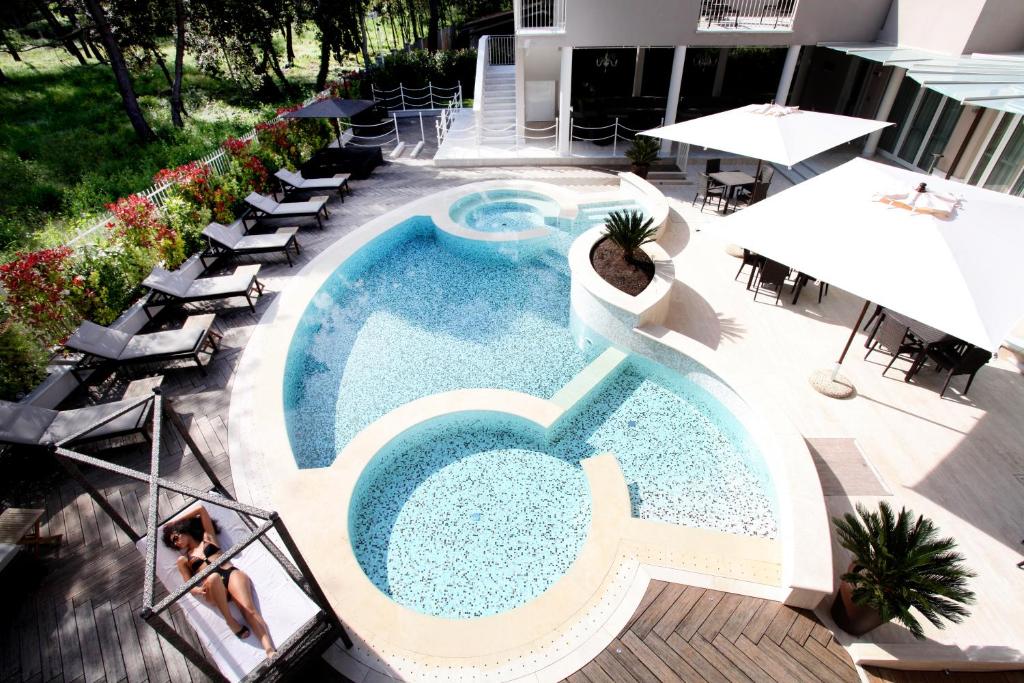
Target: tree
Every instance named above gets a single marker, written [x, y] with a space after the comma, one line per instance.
[58, 31]
[179, 58]
[434, 24]
[121, 74]
[335, 25]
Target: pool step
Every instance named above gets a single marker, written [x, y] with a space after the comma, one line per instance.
[588, 379]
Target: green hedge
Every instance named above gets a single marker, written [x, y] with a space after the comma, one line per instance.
[416, 68]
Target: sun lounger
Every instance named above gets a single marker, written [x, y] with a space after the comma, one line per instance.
[292, 182]
[266, 207]
[102, 346]
[231, 240]
[28, 425]
[285, 607]
[168, 288]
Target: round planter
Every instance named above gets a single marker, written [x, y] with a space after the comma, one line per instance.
[649, 277]
[639, 169]
[851, 617]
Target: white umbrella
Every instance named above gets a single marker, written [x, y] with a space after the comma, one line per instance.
[955, 266]
[769, 132]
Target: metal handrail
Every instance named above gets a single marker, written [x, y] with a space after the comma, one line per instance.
[741, 15]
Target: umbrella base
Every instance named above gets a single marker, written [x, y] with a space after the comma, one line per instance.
[840, 387]
[734, 250]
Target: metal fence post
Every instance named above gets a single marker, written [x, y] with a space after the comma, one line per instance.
[430, 92]
[423, 136]
[395, 119]
[460, 93]
[615, 137]
[570, 135]
[401, 95]
[373, 92]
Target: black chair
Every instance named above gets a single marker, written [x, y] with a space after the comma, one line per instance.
[802, 280]
[772, 276]
[764, 177]
[894, 338]
[711, 190]
[712, 166]
[946, 356]
[759, 192]
[876, 315]
[755, 261]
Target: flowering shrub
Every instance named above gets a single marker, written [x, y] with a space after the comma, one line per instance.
[22, 358]
[191, 179]
[112, 274]
[138, 224]
[39, 288]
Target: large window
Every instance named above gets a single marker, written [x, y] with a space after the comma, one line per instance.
[981, 167]
[941, 133]
[1009, 163]
[898, 114]
[919, 127]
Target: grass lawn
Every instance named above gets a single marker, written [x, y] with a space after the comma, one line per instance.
[67, 149]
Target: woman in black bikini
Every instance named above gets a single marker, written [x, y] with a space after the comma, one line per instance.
[195, 535]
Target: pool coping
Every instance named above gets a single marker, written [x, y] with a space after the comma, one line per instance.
[397, 633]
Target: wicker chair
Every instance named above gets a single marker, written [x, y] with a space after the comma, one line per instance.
[894, 338]
[711, 190]
[755, 261]
[772, 276]
[946, 358]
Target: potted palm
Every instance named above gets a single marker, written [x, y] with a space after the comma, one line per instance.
[898, 564]
[617, 257]
[642, 153]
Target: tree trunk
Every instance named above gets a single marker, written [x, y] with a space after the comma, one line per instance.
[3, 77]
[325, 58]
[69, 16]
[434, 24]
[96, 52]
[288, 47]
[10, 46]
[271, 54]
[177, 109]
[121, 74]
[413, 20]
[58, 31]
[159, 59]
[362, 43]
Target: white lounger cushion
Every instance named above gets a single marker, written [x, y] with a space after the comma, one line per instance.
[162, 343]
[175, 285]
[271, 240]
[270, 207]
[284, 606]
[227, 235]
[297, 180]
[167, 282]
[31, 425]
[98, 340]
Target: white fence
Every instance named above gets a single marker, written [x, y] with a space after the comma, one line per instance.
[501, 51]
[217, 161]
[613, 132]
[540, 15]
[429, 96]
[744, 15]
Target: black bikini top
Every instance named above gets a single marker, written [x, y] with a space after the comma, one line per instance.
[209, 549]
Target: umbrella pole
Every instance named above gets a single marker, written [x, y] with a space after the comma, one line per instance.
[830, 382]
[757, 172]
[337, 131]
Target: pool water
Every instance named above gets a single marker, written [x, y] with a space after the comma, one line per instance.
[504, 210]
[477, 515]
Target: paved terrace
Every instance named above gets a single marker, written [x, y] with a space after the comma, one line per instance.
[76, 619]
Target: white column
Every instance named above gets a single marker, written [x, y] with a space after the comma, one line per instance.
[674, 84]
[564, 98]
[520, 49]
[884, 107]
[723, 60]
[847, 89]
[638, 71]
[802, 71]
[788, 69]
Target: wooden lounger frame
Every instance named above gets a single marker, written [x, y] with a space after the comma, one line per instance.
[315, 636]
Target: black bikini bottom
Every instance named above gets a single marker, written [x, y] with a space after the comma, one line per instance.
[225, 574]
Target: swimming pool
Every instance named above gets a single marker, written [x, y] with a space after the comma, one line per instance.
[462, 521]
[504, 210]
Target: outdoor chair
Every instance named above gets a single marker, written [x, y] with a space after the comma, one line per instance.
[876, 318]
[231, 240]
[712, 166]
[358, 161]
[947, 358]
[103, 347]
[759, 192]
[711, 190]
[771, 276]
[755, 261]
[764, 178]
[176, 288]
[293, 183]
[28, 425]
[261, 207]
[894, 338]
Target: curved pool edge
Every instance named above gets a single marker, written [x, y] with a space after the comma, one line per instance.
[272, 479]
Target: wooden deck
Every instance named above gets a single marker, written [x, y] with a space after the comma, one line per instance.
[73, 617]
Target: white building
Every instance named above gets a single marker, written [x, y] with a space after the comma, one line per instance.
[579, 76]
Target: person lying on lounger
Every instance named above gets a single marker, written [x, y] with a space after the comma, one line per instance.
[195, 536]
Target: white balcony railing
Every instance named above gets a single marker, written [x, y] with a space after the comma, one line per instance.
[540, 15]
[501, 51]
[747, 15]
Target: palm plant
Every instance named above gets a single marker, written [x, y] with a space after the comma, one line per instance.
[899, 564]
[629, 231]
[643, 151]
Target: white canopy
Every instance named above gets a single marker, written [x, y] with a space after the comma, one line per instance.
[782, 135]
[959, 274]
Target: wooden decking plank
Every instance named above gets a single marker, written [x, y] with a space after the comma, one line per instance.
[654, 589]
[630, 661]
[184, 629]
[578, 677]
[49, 639]
[87, 516]
[820, 633]
[28, 639]
[656, 610]
[802, 626]
[839, 651]
[133, 508]
[131, 650]
[116, 500]
[108, 536]
[797, 671]
[10, 651]
[92, 653]
[722, 664]
[748, 666]
[70, 647]
[595, 674]
[703, 666]
[741, 617]
[678, 611]
[688, 627]
[177, 667]
[841, 666]
[779, 627]
[812, 663]
[650, 659]
[149, 644]
[72, 522]
[719, 616]
[110, 644]
[610, 665]
[679, 665]
[212, 440]
[55, 516]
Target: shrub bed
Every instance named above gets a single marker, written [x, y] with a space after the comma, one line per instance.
[45, 293]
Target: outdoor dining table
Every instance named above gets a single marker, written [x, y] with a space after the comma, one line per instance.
[731, 180]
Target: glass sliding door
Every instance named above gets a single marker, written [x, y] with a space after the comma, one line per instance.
[1008, 165]
[941, 133]
[901, 106]
[919, 127]
[997, 136]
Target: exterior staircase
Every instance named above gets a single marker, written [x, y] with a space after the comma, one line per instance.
[498, 113]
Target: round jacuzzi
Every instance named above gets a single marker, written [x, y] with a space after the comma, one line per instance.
[504, 211]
